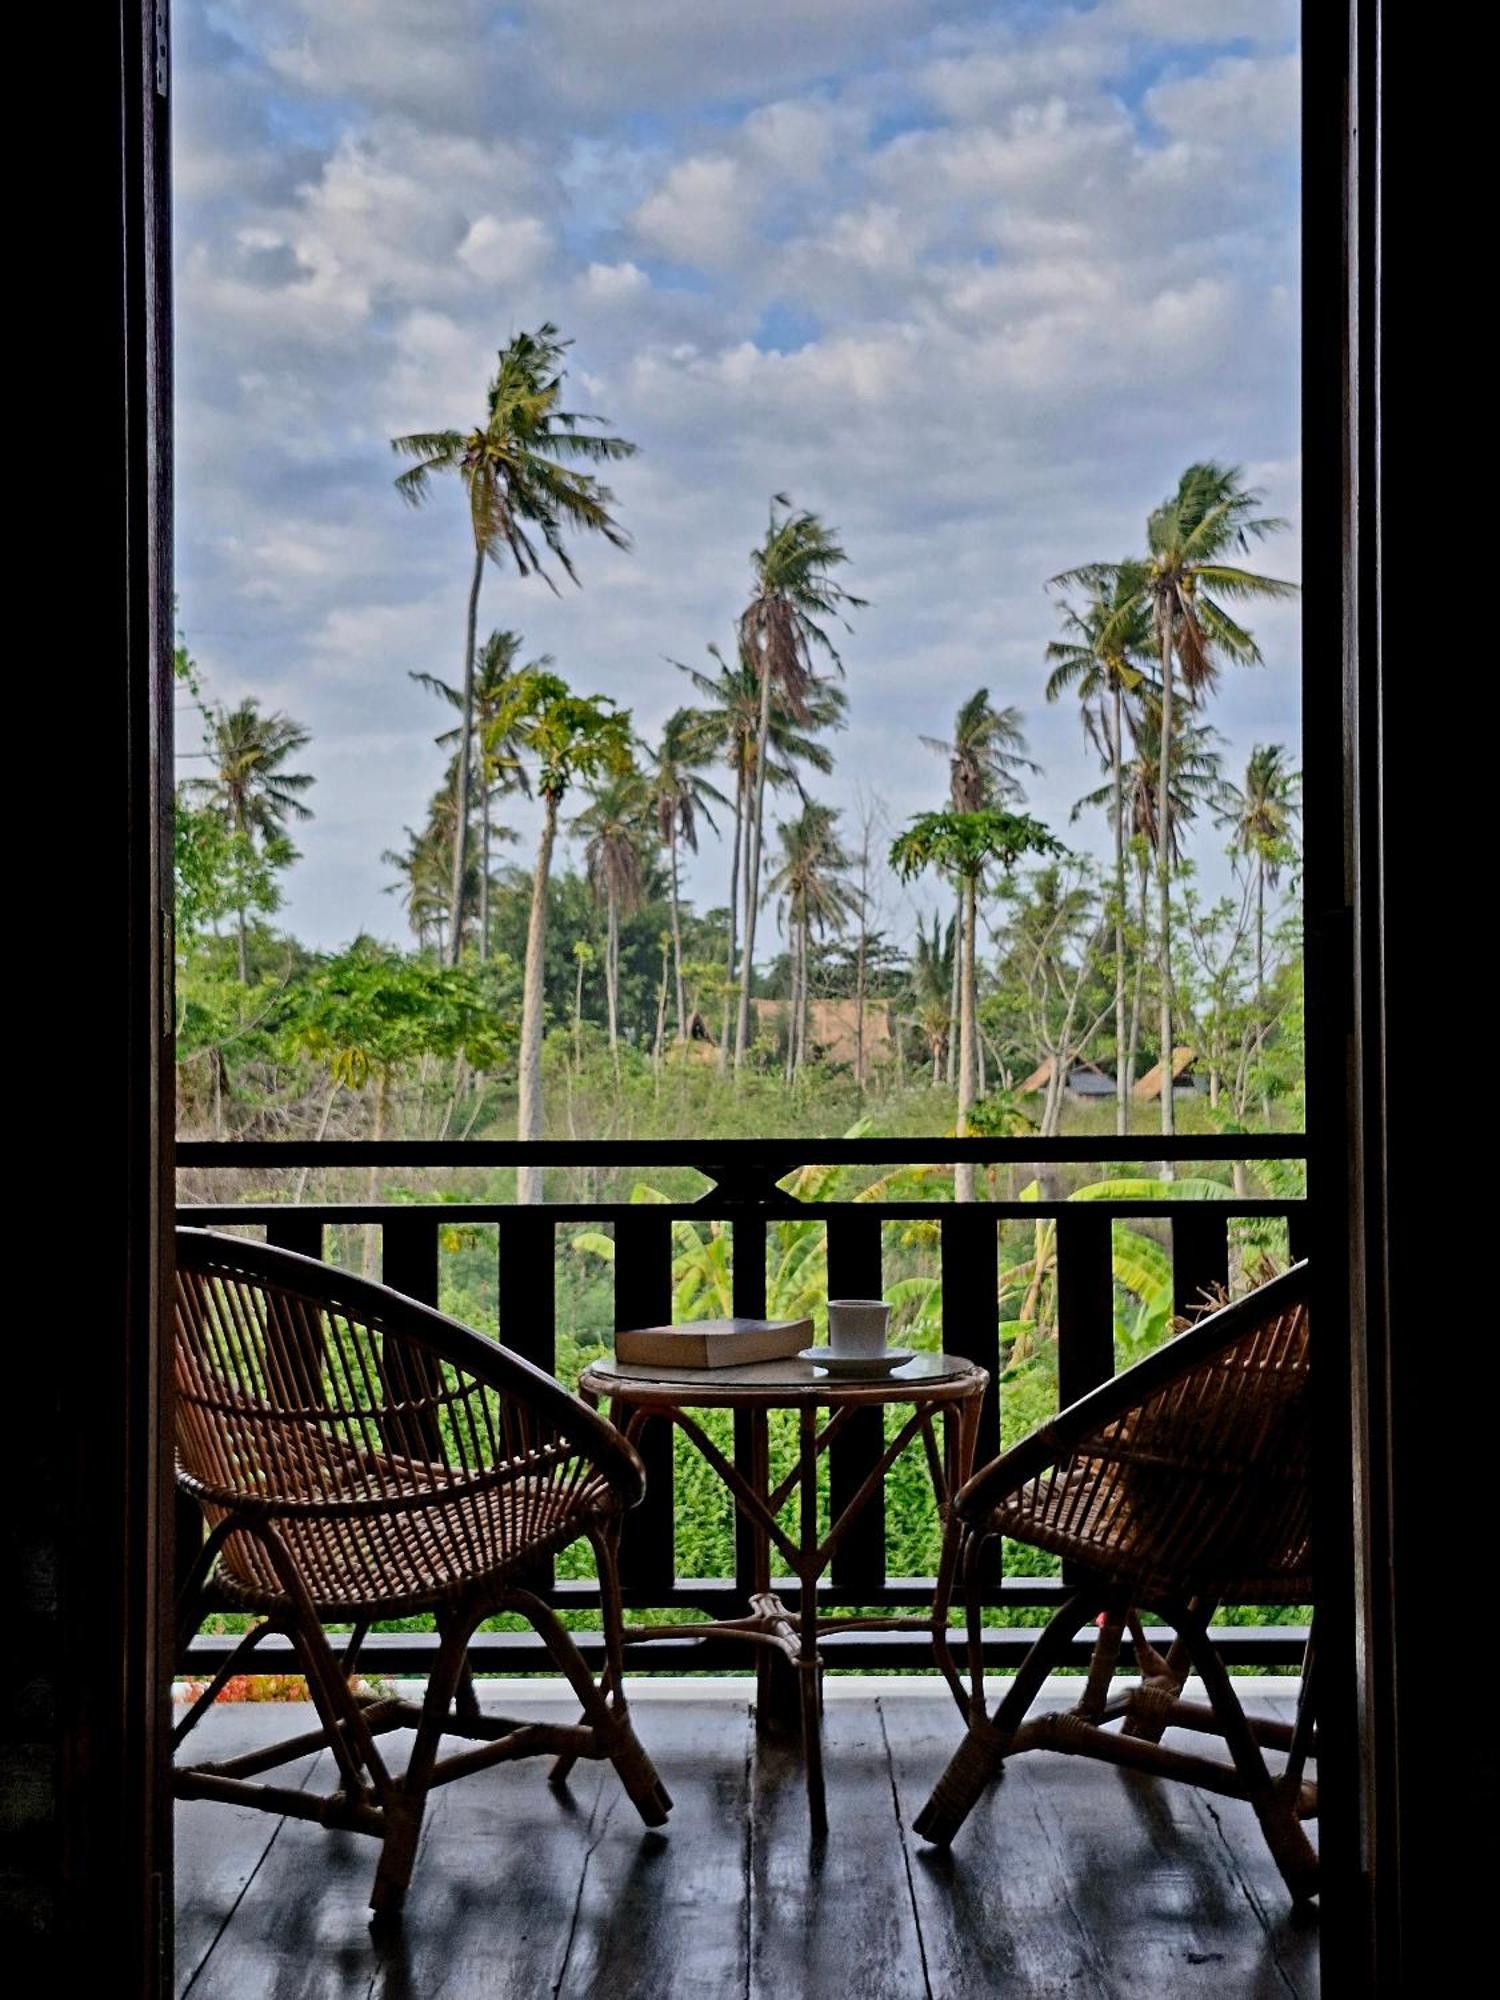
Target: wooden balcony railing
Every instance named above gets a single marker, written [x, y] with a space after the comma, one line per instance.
[745, 1197]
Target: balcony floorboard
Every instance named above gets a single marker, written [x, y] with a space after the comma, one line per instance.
[1070, 1877]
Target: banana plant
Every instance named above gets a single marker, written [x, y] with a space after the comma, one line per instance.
[703, 1276]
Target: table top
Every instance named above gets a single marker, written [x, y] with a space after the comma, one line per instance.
[926, 1377]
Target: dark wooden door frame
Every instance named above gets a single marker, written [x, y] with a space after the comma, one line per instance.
[111, 1630]
[1395, 1896]
[88, 1883]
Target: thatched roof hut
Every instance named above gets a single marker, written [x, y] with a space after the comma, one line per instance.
[833, 1027]
[1149, 1087]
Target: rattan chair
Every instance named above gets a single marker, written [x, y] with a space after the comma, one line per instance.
[1180, 1485]
[358, 1457]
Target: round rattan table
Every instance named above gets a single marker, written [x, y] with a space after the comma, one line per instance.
[943, 1391]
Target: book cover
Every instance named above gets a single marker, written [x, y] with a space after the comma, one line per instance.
[712, 1343]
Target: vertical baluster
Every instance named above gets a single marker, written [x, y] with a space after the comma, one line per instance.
[409, 1264]
[1085, 1301]
[291, 1338]
[409, 1253]
[528, 1312]
[528, 1287]
[854, 1273]
[969, 1252]
[1200, 1256]
[296, 1231]
[1297, 1232]
[643, 1297]
[1085, 1308]
[749, 1253]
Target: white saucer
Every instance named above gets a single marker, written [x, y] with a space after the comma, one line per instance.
[884, 1363]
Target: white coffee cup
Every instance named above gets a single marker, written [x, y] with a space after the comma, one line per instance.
[858, 1327]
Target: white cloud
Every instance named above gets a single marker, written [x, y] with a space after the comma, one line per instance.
[1208, 21]
[498, 251]
[614, 282]
[1239, 101]
[976, 284]
[701, 214]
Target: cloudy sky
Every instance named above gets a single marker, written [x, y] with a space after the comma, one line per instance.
[973, 281]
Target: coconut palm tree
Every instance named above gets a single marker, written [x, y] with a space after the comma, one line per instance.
[524, 496]
[679, 793]
[963, 845]
[422, 867]
[986, 756]
[564, 739]
[731, 718]
[816, 896]
[1261, 815]
[497, 762]
[252, 790]
[781, 630]
[612, 825]
[1197, 783]
[1188, 584]
[1101, 660]
[986, 759]
[932, 976]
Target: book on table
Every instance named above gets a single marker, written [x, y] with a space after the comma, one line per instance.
[712, 1343]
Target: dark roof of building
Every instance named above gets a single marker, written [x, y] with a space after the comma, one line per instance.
[1084, 1080]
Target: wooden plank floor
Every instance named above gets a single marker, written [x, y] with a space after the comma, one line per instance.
[1070, 1878]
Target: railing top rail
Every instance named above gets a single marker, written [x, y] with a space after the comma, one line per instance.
[212, 1215]
[708, 1154]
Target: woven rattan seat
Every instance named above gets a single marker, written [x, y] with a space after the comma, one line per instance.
[392, 1565]
[1180, 1485]
[355, 1456]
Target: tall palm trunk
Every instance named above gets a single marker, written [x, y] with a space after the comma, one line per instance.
[859, 963]
[369, 1261]
[484, 865]
[793, 1004]
[963, 1173]
[461, 773]
[661, 1023]
[1260, 976]
[677, 940]
[241, 954]
[1124, 1056]
[1143, 918]
[529, 1105]
[752, 897]
[1164, 887]
[730, 964]
[955, 1006]
[612, 973]
[805, 1025]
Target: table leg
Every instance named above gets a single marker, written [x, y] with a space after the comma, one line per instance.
[809, 1664]
[772, 1710]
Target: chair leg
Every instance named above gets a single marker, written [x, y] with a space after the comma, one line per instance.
[407, 1800]
[984, 1748]
[349, 1737]
[609, 1718]
[609, 1721]
[637, 1773]
[942, 1599]
[1095, 1697]
[1161, 1680]
[1275, 1804]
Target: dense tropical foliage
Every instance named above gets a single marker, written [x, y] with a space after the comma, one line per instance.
[585, 995]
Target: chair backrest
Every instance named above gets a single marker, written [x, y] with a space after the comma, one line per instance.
[300, 1386]
[1214, 1466]
[1193, 1466]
